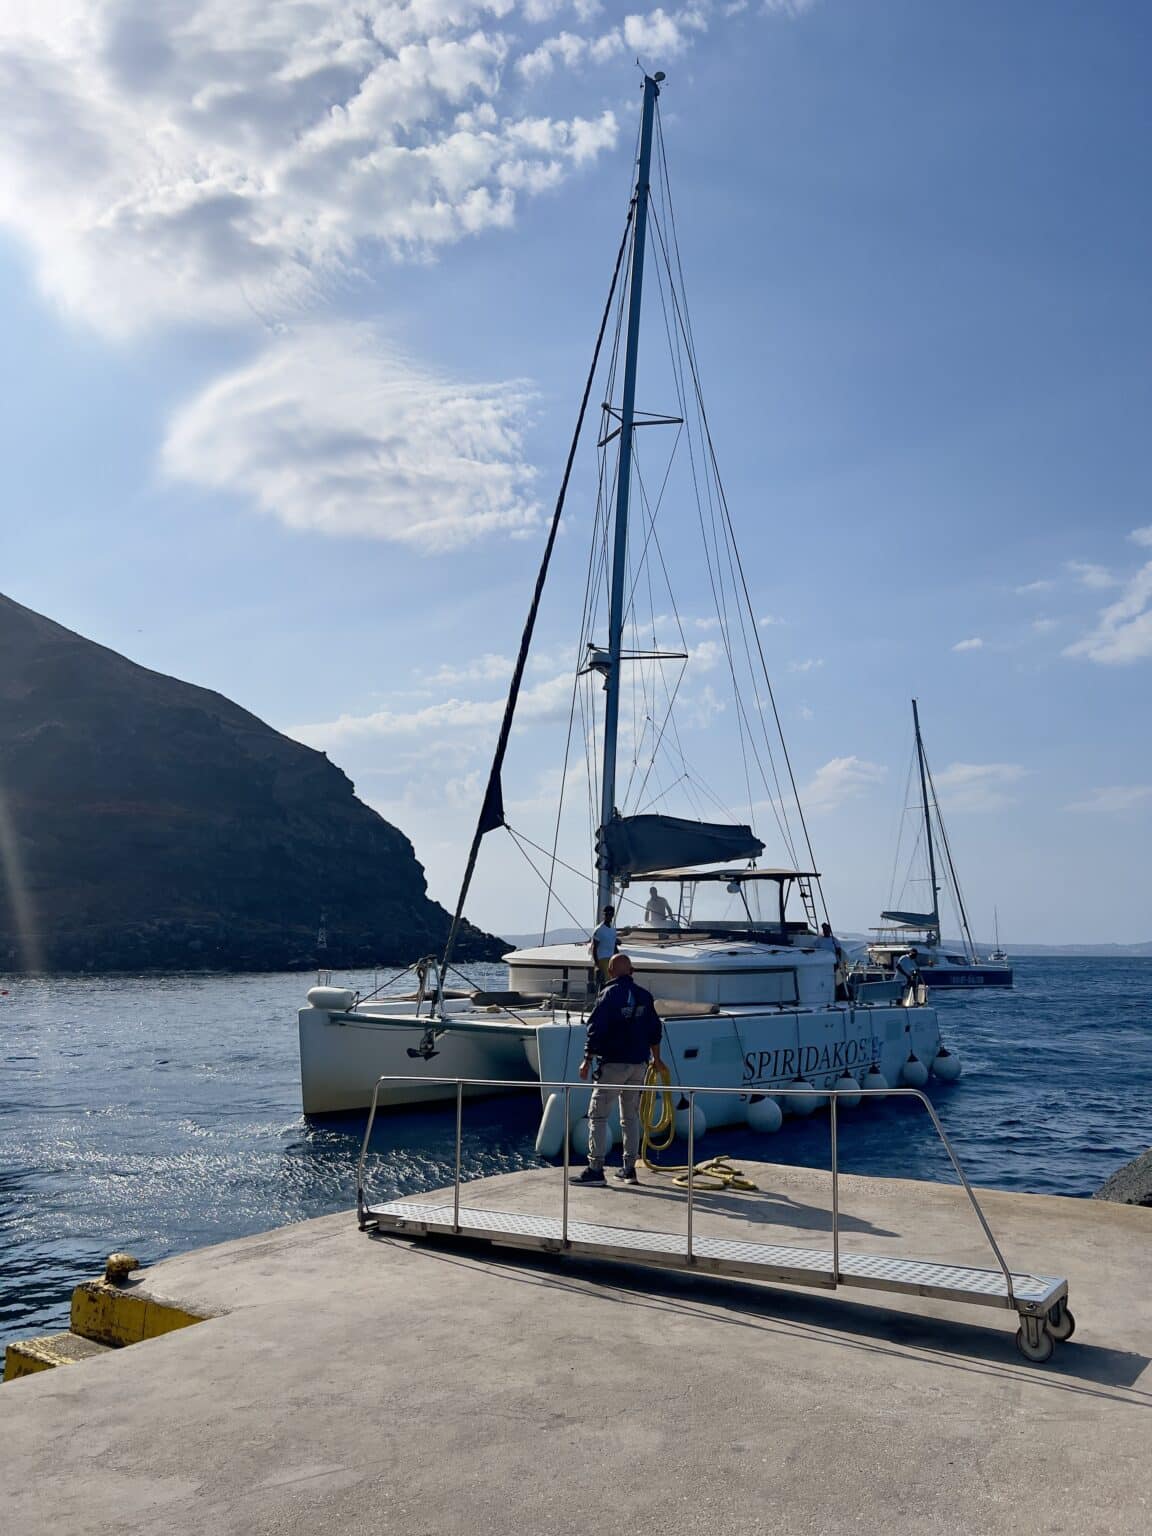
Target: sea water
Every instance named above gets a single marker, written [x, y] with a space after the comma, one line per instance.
[156, 1114]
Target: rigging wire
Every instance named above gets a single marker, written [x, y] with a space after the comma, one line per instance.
[690, 345]
[492, 806]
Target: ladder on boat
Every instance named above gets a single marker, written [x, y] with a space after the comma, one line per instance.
[804, 886]
[1040, 1301]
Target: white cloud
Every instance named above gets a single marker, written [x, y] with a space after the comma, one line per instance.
[1142, 535]
[810, 664]
[1098, 577]
[978, 786]
[658, 34]
[1116, 797]
[566, 47]
[1123, 630]
[487, 668]
[1045, 626]
[1043, 585]
[333, 432]
[806, 713]
[706, 655]
[767, 620]
[545, 701]
[176, 160]
[840, 780]
[975, 644]
[661, 35]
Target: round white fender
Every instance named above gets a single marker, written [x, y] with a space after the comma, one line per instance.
[550, 1136]
[699, 1123]
[946, 1065]
[802, 1103]
[847, 1090]
[875, 1079]
[331, 999]
[913, 1074]
[765, 1115]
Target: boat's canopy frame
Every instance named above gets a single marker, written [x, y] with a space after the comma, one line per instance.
[688, 877]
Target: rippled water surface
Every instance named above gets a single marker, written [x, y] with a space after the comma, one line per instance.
[158, 1114]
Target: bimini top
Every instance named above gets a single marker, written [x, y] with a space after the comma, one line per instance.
[689, 872]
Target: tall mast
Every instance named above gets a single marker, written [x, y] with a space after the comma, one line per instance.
[624, 485]
[927, 818]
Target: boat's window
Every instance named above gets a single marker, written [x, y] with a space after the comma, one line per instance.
[714, 905]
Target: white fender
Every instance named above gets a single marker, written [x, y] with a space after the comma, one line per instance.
[550, 1136]
[946, 1065]
[765, 1115]
[848, 1091]
[699, 1123]
[331, 999]
[913, 1074]
[803, 1103]
[874, 1078]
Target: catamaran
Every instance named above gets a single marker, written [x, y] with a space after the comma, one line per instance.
[918, 933]
[745, 984]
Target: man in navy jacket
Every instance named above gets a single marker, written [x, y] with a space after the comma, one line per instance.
[623, 1036]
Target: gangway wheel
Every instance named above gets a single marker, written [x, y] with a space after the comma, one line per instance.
[1034, 1341]
[1060, 1323]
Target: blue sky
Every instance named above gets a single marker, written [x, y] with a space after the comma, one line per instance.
[297, 304]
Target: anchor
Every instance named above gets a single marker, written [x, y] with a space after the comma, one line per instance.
[427, 1047]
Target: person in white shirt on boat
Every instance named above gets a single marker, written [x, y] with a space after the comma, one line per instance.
[604, 942]
[907, 967]
[658, 911]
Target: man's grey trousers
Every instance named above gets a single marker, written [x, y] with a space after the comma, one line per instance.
[616, 1078]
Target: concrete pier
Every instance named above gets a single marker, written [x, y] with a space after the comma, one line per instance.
[351, 1383]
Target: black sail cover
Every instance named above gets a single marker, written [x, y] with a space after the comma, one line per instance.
[911, 919]
[636, 845]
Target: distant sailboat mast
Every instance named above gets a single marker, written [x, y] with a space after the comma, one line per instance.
[927, 822]
[926, 774]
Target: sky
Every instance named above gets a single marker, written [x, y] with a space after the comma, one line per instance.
[298, 300]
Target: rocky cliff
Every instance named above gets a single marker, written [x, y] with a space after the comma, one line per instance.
[146, 823]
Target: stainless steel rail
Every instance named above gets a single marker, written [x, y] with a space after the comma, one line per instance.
[832, 1094]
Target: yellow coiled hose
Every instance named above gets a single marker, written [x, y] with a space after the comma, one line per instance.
[657, 1131]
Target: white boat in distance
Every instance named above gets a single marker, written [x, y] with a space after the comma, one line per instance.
[918, 933]
[748, 993]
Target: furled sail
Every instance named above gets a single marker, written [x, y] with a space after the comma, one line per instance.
[632, 845]
[911, 919]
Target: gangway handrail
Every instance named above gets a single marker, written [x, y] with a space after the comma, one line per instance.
[831, 1094]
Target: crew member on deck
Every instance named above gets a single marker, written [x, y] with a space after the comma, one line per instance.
[908, 968]
[828, 940]
[623, 1034]
[604, 942]
[658, 912]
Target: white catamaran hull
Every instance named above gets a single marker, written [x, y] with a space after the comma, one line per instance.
[752, 1052]
[343, 1055]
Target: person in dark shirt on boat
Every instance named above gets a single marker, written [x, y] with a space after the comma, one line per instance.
[623, 1036]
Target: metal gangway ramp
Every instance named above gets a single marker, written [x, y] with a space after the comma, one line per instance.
[1041, 1301]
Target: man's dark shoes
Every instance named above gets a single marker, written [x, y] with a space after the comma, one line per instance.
[626, 1176]
[588, 1176]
